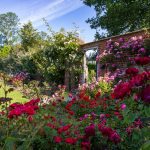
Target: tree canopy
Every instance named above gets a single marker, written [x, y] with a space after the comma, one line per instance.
[119, 16]
[8, 27]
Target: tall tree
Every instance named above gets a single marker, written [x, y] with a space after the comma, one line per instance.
[8, 27]
[29, 37]
[119, 16]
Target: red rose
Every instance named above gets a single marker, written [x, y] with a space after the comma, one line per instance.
[122, 90]
[63, 129]
[142, 60]
[85, 145]
[30, 118]
[57, 139]
[71, 140]
[29, 110]
[97, 95]
[90, 130]
[14, 112]
[115, 137]
[145, 94]
[106, 131]
[132, 71]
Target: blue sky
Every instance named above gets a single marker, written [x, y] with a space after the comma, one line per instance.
[59, 13]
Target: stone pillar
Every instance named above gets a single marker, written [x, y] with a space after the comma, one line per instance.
[84, 75]
[98, 64]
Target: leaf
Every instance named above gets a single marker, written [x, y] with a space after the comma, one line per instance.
[10, 143]
[145, 146]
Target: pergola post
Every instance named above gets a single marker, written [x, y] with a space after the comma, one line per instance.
[84, 75]
[98, 64]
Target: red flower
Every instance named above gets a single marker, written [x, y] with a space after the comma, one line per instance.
[115, 137]
[132, 71]
[15, 105]
[85, 145]
[145, 94]
[106, 131]
[90, 130]
[51, 125]
[86, 98]
[138, 123]
[118, 115]
[121, 90]
[29, 110]
[14, 112]
[57, 139]
[71, 140]
[97, 95]
[63, 129]
[139, 79]
[30, 118]
[142, 60]
[71, 112]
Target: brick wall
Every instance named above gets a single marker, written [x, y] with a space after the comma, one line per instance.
[101, 44]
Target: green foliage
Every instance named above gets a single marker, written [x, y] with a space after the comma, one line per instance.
[115, 16]
[62, 53]
[29, 37]
[5, 51]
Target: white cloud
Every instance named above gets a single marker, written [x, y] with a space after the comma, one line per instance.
[51, 11]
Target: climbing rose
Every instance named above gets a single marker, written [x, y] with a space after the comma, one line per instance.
[142, 60]
[132, 71]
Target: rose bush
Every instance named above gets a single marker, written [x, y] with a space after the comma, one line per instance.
[100, 115]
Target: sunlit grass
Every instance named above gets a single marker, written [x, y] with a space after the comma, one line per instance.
[15, 95]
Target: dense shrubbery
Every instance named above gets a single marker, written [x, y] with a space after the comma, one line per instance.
[100, 115]
[45, 56]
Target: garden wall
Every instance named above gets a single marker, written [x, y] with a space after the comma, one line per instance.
[101, 44]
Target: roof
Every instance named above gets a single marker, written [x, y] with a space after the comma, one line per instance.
[96, 43]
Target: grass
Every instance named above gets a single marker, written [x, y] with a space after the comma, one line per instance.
[15, 95]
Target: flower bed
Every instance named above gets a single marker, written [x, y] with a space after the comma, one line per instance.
[100, 115]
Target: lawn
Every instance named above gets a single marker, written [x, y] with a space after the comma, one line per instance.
[15, 95]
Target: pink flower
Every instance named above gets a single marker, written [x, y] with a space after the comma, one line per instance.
[123, 106]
